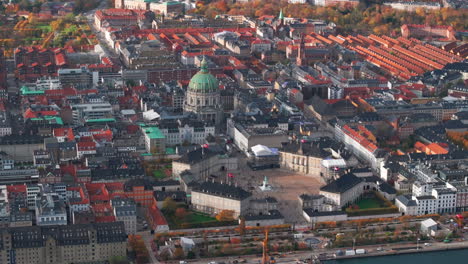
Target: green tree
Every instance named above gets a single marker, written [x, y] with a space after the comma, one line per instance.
[191, 255]
[118, 260]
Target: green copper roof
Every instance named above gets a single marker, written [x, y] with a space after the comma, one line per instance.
[170, 151]
[26, 91]
[281, 15]
[203, 81]
[154, 133]
[49, 119]
[100, 120]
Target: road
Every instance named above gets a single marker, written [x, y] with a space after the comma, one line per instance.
[147, 237]
[100, 35]
[296, 257]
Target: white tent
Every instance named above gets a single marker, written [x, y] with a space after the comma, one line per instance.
[150, 115]
[334, 163]
[261, 150]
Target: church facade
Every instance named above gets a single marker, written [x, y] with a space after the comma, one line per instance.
[203, 96]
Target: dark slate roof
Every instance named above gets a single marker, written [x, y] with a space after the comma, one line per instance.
[197, 155]
[307, 197]
[387, 188]
[361, 170]
[113, 174]
[167, 183]
[313, 149]
[311, 212]
[146, 183]
[178, 196]
[223, 190]
[426, 197]
[406, 200]
[320, 106]
[35, 236]
[265, 200]
[372, 178]
[455, 124]
[273, 214]
[110, 232]
[342, 184]
[20, 139]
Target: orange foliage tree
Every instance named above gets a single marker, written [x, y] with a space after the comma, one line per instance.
[225, 215]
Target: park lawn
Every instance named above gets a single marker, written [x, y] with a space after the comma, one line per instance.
[159, 174]
[194, 220]
[45, 27]
[368, 203]
[199, 218]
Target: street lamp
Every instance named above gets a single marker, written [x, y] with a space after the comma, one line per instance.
[417, 243]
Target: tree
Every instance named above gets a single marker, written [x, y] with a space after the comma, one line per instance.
[164, 255]
[180, 213]
[169, 205]
[191, 255]
[118, 260]
[225, 215]
[179, 253]
[242, 227]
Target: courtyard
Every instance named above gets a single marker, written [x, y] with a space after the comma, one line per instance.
[369, 203]
[286, 187]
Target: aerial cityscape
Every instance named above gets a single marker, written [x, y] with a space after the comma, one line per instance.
[225, 132]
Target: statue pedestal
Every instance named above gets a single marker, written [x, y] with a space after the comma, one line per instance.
[265, 186]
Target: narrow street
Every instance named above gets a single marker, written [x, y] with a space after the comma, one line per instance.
[147, 237]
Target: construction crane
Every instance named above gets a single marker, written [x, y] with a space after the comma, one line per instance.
[265, 256]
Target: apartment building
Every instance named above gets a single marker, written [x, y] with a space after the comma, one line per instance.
[361, 142]
[212, 198]
[62, 244]
[50, 210]
[82, 112]
[125, 211]
[155, 141]
[186, 130]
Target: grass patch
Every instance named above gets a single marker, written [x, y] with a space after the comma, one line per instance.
[368, 203]
[193, 219]
[197, 218]
[371, 203]
[44, 27]
[159, 174]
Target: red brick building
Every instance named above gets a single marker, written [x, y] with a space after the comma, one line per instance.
[426, 31]
[34, 62]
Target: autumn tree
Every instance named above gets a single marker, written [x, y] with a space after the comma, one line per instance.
[225, 215]
[179, 253]
[169, 205]
[242, 227]
[180, 213]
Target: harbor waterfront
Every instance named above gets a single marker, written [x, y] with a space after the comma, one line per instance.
[453, 256]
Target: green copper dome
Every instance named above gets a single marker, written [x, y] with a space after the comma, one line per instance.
[203, 81]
